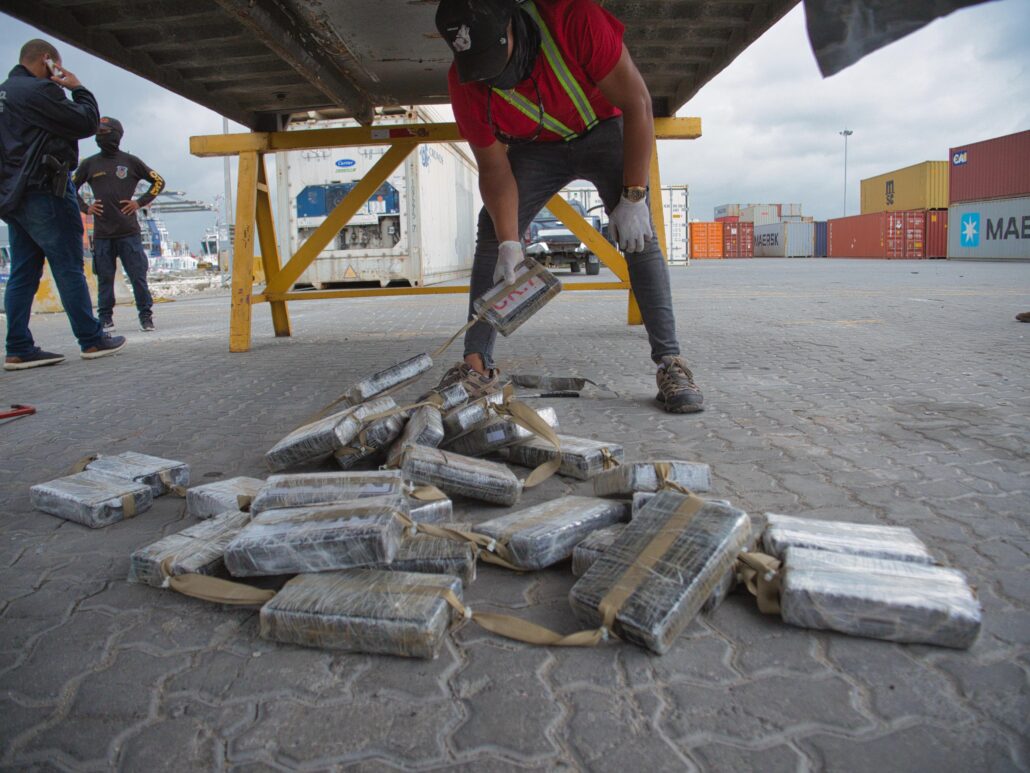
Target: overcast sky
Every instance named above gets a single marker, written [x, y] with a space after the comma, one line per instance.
[770, 122]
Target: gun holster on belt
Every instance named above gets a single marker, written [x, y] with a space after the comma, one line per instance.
[56, 174]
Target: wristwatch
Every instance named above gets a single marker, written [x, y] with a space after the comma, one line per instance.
[634, 193]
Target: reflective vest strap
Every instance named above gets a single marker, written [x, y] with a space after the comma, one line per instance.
[530, 110]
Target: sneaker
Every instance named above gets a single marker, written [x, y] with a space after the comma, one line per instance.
[476, 384]
[1023, 316]
[146, 325]
[108, 324]
[677, 392]
[37, 359]
[108, 345]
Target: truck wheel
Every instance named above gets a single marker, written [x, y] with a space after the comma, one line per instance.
[574, 267]
[593, 267]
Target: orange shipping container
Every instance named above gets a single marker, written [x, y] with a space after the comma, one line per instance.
[706, 240]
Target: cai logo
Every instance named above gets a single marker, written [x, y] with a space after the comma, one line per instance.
[345, 163]
[959, 157]
[970, 230]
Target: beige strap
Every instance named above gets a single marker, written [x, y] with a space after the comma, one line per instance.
[484, 547]
[428, 494]
[165, 476]
[530, 420]
[243, 502]
[608, 460]
[128, 506]
[652, 553]
[80, 465]
[762, 577]
[214, 589]
[663, 470]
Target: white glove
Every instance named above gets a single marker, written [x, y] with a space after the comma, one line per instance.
[630, 225]
[509, 255]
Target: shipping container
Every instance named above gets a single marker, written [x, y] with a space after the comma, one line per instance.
[937, 233]
[674, 207]
[727, 210]
[993, 169]
[820, 240]
[784, 240]
[705, 240]
[790, 210]
[738, 240]
[890, 235]
[990, 230]
[920, 186]
[905, 234]
[728, 219]
[760, 214]
[408, 231]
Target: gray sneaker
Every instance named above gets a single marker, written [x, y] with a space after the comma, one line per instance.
[677, 392]
[476, 384]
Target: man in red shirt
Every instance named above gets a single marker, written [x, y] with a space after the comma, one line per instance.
[546, 93]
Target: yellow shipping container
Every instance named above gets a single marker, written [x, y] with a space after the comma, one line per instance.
[921, 186]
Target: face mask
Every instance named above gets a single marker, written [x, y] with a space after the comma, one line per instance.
[109, 141]
[526, 37]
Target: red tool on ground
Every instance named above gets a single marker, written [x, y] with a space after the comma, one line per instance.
[17, 411]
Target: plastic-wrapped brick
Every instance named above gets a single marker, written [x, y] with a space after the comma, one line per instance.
[446, 398]
[461, 475]
[507, 307]
[590, 549]
[310, 489]
[427, 554]
[627, 479]
[160, 474]
[93, 499]
[892, 542]
[424, 428]
[319, 539]
[432, 511]
[545, 534]
[211, 499]
[581, 458]
[499, 433]
[363, 610]
[640, 499]
[464, 418]
[371, 442]
[391, 377]
[661, 569]
[195, 550]
[319, 439]
[881, 599]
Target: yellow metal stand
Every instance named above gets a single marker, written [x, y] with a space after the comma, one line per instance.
[255, 222]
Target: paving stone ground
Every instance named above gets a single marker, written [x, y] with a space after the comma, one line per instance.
[881, 392]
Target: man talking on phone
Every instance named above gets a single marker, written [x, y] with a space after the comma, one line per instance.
[546, 93]
[39, 133]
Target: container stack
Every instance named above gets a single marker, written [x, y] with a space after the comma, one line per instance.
[759, 230]
[990, 199]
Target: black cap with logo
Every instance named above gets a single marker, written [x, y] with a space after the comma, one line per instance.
[108, 124]
[477, 32]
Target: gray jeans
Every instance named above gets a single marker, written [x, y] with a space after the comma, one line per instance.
[541, 170]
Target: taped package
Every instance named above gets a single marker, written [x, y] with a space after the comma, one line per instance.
[309, 489]
[319, 539]
[641, 498]
[459, 475]
[464, 418]
[371, 442]
[627, 479]
[391, 377]
[507, 307]
[195, 550]
[898, 601]
[424, 428]
[581, 458]
[319, 439]
[221, 496]
[363, 610]
[162, 475]
[446, 398]
[891, 542]
[93, 499]
[663, 566]
[427, 554]
[547, 533]
[430, 511]
[497, 434]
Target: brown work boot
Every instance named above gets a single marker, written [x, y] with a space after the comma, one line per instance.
[1023, 316]
[476, 384]
[677, 392]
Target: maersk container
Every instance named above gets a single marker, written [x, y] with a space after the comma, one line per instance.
[760, 214]
[727, 210]
[785, 240]
[419, 227]
[920, 186]
[990, 230]
[820, 239]
[993, 169]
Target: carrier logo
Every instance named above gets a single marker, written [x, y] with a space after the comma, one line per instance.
[768, 240]
[346, 163]
[959, 157]
[970, 230]
[890, 193]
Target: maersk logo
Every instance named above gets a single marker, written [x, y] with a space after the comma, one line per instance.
[768, 240]
[959, 157]
[970, 230]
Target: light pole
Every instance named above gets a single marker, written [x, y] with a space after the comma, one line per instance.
[845, 134]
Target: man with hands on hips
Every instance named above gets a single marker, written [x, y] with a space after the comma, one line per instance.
[545, 92]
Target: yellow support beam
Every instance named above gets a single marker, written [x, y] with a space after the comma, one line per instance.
[381, 292]
[270, 248]
[243, 253]
[657, 212]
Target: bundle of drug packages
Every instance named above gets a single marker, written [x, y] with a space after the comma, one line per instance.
[322, 538]
[497, 434]
[547, 533]
[891, 542]
[321, 438]
[465, 418]
[221, 496]
[311, 489]
[459, 475]
[507, 307]
[429, 554]
[194, 550]
[162, 475]
[648, 585]
[371, 442]
[390, 378]
[900, 601]
[581, 458]
[93, 499]
[363, 610]
[629, 478]
[424, 428]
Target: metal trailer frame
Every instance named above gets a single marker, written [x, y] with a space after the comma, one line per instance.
[255, 221]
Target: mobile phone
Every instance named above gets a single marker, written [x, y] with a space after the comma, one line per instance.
[56, 71]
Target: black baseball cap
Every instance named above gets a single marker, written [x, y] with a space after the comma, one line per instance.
[108, 124]
[477, 32]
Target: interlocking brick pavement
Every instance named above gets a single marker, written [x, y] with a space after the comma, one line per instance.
[883, 392]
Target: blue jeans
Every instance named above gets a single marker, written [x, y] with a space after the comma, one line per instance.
[134, 259]
[44, 226]
[542, 169]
